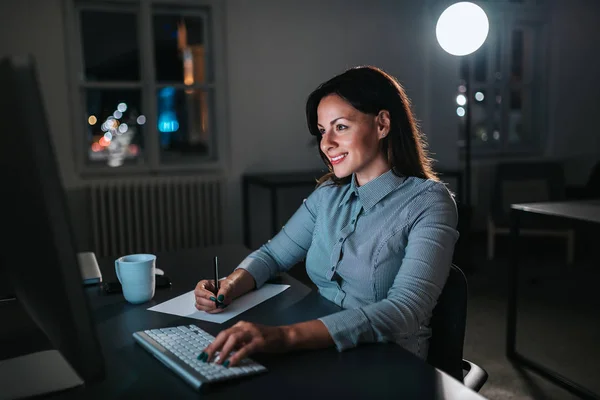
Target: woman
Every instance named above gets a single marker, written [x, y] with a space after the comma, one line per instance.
[377, 234]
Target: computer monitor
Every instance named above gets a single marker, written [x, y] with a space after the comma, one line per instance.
[38, 250]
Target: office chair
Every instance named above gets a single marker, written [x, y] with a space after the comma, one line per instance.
[526, 182]
[448, 324]
[592, 187]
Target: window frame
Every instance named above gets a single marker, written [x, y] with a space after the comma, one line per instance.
[213, 10]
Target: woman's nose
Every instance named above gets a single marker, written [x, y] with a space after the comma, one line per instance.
[326, 143]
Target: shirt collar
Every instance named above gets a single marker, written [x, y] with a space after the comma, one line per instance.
[373, 191]
[352, 190]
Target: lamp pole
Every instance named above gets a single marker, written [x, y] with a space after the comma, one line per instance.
[467, 197]
[461, 29]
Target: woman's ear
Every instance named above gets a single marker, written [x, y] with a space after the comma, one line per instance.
[383, 123]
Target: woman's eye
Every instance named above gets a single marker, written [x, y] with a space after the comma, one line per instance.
[322, 131]
[340, 127]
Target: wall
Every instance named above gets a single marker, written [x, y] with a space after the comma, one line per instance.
[278, 51]
[575, 86]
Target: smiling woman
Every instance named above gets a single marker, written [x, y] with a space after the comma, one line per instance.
[377, 234]
[380, 110]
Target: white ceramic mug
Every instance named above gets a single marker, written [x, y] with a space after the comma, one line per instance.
[136, 274]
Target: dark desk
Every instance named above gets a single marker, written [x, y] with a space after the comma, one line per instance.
[369, 371]
[576, 211]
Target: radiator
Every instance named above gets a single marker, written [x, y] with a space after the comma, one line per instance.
[153, 215]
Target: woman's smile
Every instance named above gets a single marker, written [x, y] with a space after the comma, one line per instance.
[337, 159]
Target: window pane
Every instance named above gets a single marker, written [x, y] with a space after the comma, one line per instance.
[486, 119]
[531, 53]
[497, 54]
[480, 134]
[520, 129]
[114, 127]
[183, 124]
[516, 69]
[110, 46]
[515, 125]
[179, 49]
[497, 125]
[480, 64]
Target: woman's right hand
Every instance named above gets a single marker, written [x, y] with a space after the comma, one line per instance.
[235, 285]
[208, 300]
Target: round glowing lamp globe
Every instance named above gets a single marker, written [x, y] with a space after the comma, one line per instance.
[462, 28]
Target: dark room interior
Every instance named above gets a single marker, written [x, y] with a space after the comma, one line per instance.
[181, 130]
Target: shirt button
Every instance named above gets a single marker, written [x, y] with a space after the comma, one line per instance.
[341, 240]
[353, 221]
[332, 268]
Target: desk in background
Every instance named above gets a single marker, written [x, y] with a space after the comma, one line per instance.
[377, 371]
[275, 181]
[576, 211]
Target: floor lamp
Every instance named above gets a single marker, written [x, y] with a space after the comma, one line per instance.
[461, 29]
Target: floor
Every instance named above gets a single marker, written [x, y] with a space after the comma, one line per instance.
[558, 324]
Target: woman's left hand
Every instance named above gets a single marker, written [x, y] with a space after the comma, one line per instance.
[245, 338]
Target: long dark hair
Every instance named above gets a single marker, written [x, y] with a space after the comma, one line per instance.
[370, 90]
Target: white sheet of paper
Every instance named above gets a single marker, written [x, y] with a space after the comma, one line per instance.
[184, 305]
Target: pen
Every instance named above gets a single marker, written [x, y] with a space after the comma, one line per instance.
[216, 264]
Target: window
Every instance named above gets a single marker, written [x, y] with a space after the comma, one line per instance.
[506, 81]
[147, 93]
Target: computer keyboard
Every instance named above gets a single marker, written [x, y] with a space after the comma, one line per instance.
[178, 348]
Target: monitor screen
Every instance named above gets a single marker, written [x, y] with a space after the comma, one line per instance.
[38, 251]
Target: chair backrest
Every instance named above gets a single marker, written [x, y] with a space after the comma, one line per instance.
[526, 182]
[448, 323]
[592, 187]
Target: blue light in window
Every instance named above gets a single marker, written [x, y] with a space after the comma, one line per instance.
[167, 122]
[167, 119]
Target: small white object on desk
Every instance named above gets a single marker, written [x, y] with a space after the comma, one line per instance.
[90, 272]
[185, 305]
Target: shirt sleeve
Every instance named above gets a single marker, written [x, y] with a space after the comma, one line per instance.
[288, 247]
[417, 286]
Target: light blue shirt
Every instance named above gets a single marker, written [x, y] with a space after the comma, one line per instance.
[381, 251]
